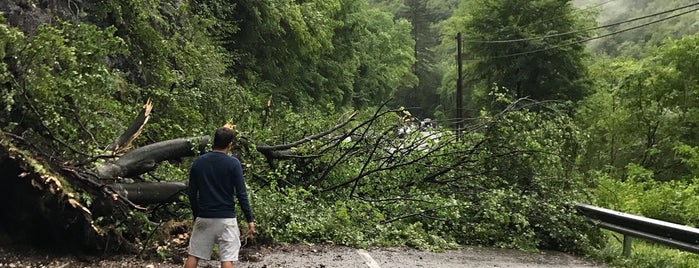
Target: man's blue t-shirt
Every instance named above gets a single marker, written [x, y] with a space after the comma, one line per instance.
[214, 179]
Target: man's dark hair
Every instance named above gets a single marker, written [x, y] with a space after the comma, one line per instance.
[223, 137]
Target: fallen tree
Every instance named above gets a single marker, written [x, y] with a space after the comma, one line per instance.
[108, 187]
[61, 203]
[107, 204]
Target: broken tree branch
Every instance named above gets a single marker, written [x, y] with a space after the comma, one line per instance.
[288, 146]
[123, 142]
[146, 158]
[283, 151]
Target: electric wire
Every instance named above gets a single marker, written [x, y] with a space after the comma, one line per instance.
[587, 39]
[578, 31]
[560, 16]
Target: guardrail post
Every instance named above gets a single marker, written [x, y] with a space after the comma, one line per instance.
[632, 226]
[627, 245]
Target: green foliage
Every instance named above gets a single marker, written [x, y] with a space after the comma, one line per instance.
[282, 70]
[61, 86]
[10, 42]
[299, 215]
[173, 61]
[635, 43]
[640, 151]
[385, 57]
[131, 226]
[293, 35]
[641, 194]
[511, 186]
[296, 215]
[645, 255]
[424, 16]
[316, 52]
[78, 84]
[643, 110]
[539, 68]
[689, 155]
[535, 186]
[71, 88]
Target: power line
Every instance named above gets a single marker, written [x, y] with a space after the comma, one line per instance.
[601, 4]
[588, 39]
[559, 16]
[579, 31]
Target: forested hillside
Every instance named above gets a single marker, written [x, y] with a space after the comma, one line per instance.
[634, 43]
[565, 101]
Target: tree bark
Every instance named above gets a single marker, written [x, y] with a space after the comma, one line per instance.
[146, 158]
[123, 142]
[145, 193]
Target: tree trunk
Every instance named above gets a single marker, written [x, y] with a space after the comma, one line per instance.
[146, 158]
[146, 193]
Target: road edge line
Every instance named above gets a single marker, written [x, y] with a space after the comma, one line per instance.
[368, 259]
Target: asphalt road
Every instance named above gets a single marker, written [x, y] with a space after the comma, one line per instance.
[318, 256]
[334, 256]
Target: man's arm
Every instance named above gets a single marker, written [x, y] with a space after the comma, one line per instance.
[193, 193]
[241, 193]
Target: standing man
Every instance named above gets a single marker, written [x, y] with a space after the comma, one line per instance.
[214, 179]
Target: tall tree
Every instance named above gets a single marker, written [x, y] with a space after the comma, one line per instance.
[171, 59]
[384, 50]
[271, 43]
[644, 112]
[337, 52]
[539, 61]
[422, 98]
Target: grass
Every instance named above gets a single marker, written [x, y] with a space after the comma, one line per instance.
[645, 254]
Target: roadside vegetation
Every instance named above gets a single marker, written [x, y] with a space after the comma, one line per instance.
[550, 118]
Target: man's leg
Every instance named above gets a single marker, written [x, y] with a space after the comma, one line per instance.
[201, 242]
[192, 262]
[229, 245]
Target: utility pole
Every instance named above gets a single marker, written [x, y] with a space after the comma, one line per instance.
[459, 89]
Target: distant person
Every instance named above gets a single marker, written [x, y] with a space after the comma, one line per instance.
[214, 179]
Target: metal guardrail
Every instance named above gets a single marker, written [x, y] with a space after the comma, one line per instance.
[670, 234]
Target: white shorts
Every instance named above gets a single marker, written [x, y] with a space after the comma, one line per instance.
[210, 231]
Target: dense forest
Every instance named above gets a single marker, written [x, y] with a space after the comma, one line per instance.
[564, 101]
